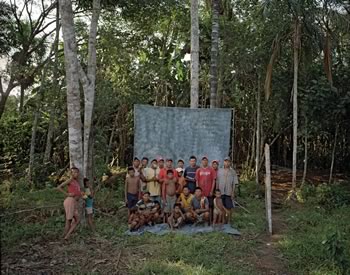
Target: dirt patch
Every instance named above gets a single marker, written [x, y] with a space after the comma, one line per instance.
[266, 257]
[93, 254]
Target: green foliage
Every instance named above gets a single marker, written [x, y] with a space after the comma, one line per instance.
[334, 246]
[327, 196]
[317, 240]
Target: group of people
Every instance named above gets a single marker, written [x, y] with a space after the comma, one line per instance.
[159, 192]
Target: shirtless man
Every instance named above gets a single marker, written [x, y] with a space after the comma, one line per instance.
[132, 189]
[169, 192]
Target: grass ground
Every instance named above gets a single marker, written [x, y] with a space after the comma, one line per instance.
[309, 239]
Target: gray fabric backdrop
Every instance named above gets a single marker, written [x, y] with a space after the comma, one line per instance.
[178, 133]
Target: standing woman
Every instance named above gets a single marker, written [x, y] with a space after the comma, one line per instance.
[71, 203]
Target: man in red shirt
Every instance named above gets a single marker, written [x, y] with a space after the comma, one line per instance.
[163, 171]
[205, 178]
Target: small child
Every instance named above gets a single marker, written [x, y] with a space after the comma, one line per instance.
[134, 221]
[157, 215]
[88, 196]
[219, 209]
[176, 218]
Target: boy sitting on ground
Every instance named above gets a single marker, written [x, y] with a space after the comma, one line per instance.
[146, 209]
[169, 193]
[134, 221]
[132, 188]
[176, 218]
[219, 209]
[200, 207]
[157, 213]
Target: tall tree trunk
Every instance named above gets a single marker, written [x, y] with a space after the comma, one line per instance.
[194, 54]
[21, 99]
[32, 144]
[333, 153]
[50, 131]
[89, 83]
[295, 100]
[214, 56]
[305, 152]
[73, 91]
[258, 119]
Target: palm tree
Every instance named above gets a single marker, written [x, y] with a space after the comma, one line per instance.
[194, 54]
[214, 57]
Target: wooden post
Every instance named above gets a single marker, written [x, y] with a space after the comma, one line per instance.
[268, 188]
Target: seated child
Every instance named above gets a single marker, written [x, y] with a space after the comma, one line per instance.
[157, 213]
[134, 221]
[169, 192]
[88, 195]
[219, 209]
[176, 218]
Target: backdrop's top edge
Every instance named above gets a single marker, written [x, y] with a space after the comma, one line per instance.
[187, 108]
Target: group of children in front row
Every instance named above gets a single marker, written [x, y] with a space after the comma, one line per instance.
[161, 193]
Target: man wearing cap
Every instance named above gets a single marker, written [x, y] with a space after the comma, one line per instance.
[153, 186]
[163, 172]
[181, 180]
[205, 178]
[226, 181]
[190, 174]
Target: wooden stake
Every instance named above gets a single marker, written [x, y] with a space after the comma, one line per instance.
[268, 188]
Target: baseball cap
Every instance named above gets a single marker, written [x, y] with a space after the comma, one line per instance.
[227, 158]
[179, 169]
[205, 157]
[215, 160]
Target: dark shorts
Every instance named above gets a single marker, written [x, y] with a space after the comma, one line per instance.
[227, 202]
[211, 201]
[132, 200]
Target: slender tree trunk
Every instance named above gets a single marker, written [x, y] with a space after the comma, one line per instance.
[89, 87]
[21, 99]
[258, 119]
[32, 144]
[109, 149]
[73, 91]
[333, 154]
[214, 58]
[50, 131]
[295, 100]
[194, 54]
[305, 153]
[268, 188]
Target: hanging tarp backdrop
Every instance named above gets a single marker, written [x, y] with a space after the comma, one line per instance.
[178, 133]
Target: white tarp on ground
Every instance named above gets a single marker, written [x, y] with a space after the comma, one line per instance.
[178, 133]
